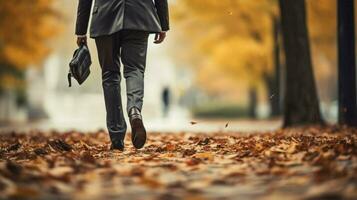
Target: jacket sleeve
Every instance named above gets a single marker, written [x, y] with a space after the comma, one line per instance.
[162, 9]
[83, 13]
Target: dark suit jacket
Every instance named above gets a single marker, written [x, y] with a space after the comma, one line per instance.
[110, 16]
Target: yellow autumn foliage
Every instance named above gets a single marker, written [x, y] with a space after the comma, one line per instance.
[8, 81]
[233, 36]
[25, 27]
[233, 39]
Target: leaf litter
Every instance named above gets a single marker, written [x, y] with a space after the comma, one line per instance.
[299, 163]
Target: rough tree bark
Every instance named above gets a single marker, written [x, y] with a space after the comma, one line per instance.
[301, 106]
[346, 64]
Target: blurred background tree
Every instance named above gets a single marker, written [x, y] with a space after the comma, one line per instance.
[25, 30]
[347, 108]
[236, 48]
[234, 39]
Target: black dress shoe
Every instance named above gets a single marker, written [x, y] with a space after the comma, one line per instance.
[138, 132]
[119, 145]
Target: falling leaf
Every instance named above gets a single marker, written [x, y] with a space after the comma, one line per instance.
[193, 122]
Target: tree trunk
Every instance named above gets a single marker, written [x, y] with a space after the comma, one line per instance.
[346, 64]
[301, 105]
[252, 102]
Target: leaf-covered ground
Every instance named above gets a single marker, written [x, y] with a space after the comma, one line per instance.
[310, 163]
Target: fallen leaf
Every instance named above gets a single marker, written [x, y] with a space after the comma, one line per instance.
[60, 171]
[59, 145]
[205, 156]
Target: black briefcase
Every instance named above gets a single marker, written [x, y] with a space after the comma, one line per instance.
[79, 67]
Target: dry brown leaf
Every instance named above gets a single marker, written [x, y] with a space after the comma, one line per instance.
[218, 165]
[205, 156]
[60, 171]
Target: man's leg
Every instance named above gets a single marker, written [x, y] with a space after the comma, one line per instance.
[133, 56]
[109, 54]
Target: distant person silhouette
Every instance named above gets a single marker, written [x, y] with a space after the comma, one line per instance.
[166, 101]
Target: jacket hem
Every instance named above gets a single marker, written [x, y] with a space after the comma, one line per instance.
[112, 32]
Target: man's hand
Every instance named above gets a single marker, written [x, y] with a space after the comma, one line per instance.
[159, 37]
[81, 40]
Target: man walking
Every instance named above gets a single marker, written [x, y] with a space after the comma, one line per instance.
[121, 29]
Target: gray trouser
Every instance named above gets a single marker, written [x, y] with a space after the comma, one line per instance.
[130, 47]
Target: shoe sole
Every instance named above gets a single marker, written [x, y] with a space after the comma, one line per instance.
[140, 133]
